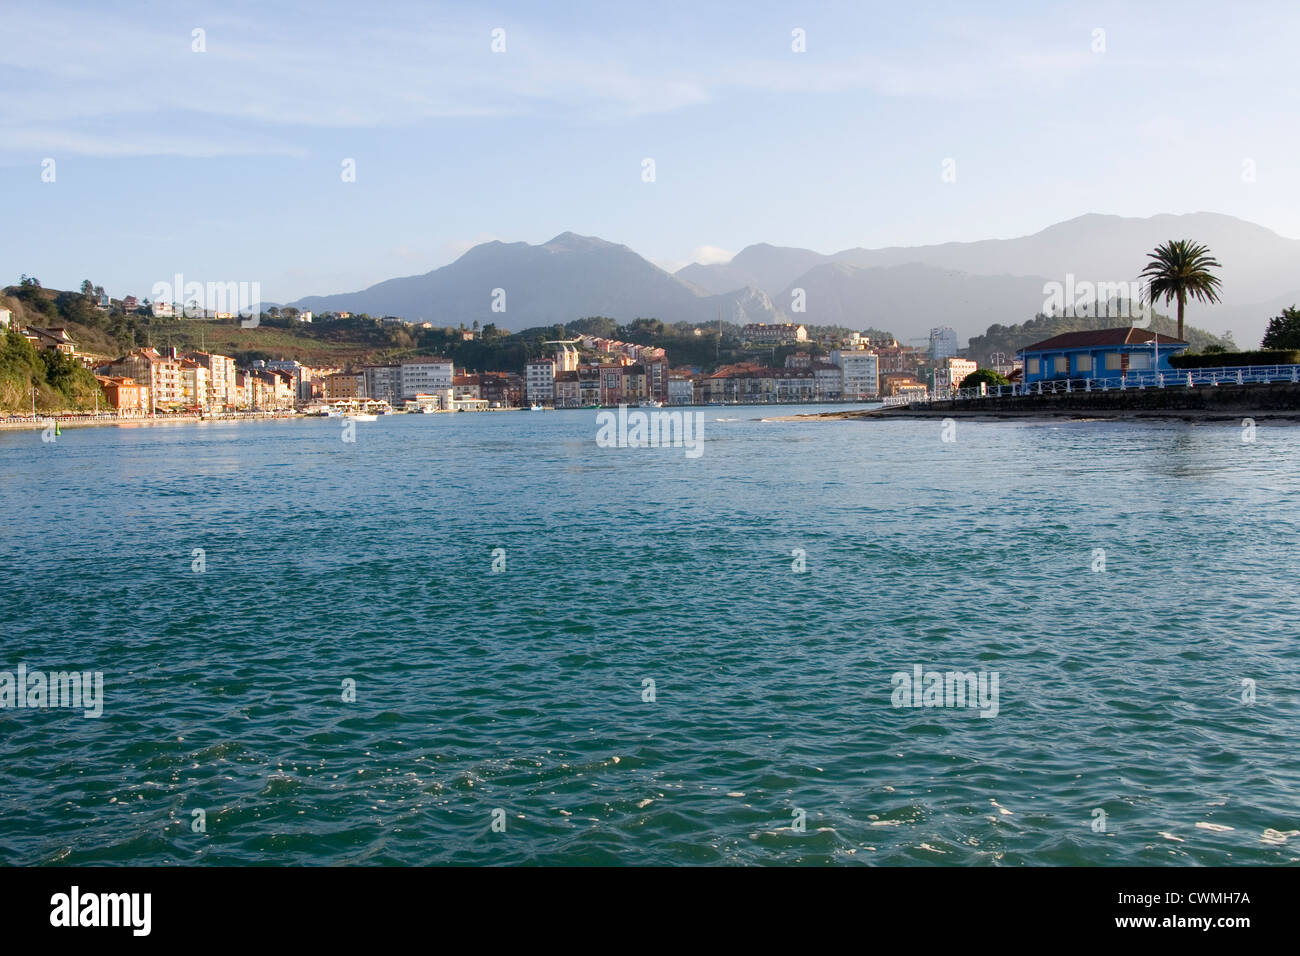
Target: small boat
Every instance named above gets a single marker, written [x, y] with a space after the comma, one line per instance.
[536, 408]
[361, 417]
[651, 404]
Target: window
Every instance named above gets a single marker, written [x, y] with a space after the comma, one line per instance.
[1061, 365]
[1139, 360]
[1112, 361]
[1083, 363]
[1033, 366]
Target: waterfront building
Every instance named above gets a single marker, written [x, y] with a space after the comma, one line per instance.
[860, 370]
[194, 384]
[1100, 353]
[220, 389]
[681, 389]
[501, 389]
[539, 381]
[425, 375]
[589, 385]
[270, 389]
[343, 385]
[384, 382]
[160, 374]
[792, 384]
[611, 384]
[828, 381]
[465, 386]
[125, 395]
[656, 374]
[635, 383]
[568, 393]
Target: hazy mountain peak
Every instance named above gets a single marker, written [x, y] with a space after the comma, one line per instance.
[572, 242]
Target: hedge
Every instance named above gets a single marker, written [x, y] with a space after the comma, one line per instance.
[1233, 359]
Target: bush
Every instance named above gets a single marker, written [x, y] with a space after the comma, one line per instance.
[1233, 359]
[986, 376]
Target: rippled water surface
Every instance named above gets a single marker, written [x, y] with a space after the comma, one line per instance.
[1120, 690]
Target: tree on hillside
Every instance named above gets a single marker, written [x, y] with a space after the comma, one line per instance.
[87, 288]
[1283, 331]
[598, 325]
[1180, 268]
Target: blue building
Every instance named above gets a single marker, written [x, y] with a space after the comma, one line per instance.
[1100, 353]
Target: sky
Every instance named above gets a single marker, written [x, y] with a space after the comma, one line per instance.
[133, 148]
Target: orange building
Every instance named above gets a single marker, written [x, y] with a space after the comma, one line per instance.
[125, 395]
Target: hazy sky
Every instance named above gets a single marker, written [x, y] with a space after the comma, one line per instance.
[226, 165]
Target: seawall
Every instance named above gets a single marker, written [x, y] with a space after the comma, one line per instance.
[1276, 400]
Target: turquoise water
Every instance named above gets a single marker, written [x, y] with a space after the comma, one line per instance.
[1120, 690]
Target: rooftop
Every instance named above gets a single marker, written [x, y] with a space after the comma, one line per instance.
[1124, 335]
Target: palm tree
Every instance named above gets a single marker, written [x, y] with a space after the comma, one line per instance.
[1179, 268]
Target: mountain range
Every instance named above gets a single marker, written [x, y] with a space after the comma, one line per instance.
[906, 289]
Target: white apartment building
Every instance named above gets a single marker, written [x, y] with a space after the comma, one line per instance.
[539, 380]
[424, 376]
[860, 369]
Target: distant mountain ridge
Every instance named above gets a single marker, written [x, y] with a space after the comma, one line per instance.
[966, 285]
[567, 278]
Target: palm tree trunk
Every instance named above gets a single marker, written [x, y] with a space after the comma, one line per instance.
[1182, 301]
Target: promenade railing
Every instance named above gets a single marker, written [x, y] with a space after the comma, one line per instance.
[1143, 379]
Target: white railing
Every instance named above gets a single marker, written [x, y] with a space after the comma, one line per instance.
[1176, 378]
[889, 401]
